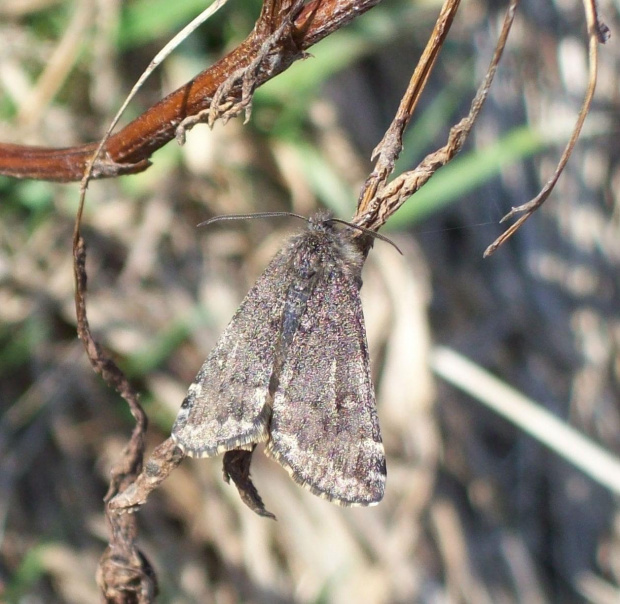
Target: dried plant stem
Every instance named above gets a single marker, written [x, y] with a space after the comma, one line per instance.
[164, 459]
[128, 151]
[388, 150]
[597, 33]
[373, 212]
[122, 568]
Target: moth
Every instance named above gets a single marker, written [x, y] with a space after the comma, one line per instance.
[292, 371]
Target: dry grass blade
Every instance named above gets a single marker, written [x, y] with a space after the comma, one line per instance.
[58, 67]
[450, 539]
[596, 462]
[597, 33]
[596, 589]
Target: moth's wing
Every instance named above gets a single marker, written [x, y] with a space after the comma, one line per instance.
[324, 427]
[227, 406]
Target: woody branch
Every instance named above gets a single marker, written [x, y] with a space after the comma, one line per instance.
[128, 151]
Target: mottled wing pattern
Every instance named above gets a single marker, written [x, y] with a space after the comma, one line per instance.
[227, 406]
[324, 427]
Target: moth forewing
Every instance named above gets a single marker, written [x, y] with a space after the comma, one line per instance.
[324, 428]
[228, 403]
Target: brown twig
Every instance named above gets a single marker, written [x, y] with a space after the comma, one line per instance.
[123, 569]
[388, 150]
[373, 212]
[128, 151]
[163, 460]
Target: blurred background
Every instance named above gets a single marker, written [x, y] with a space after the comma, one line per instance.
[475, 509]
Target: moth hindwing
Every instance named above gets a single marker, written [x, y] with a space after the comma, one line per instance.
[292, 370]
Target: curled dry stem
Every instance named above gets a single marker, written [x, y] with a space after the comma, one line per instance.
[598, 33]
[123, 569]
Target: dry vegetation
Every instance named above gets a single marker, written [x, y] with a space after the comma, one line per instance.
[475, 510]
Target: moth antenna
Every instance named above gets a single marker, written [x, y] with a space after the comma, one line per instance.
[293, 215]
[248, 216]
[367, 232]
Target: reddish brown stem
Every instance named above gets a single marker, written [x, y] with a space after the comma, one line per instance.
[128, 151]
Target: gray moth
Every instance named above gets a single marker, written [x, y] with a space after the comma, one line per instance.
[292, 371]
